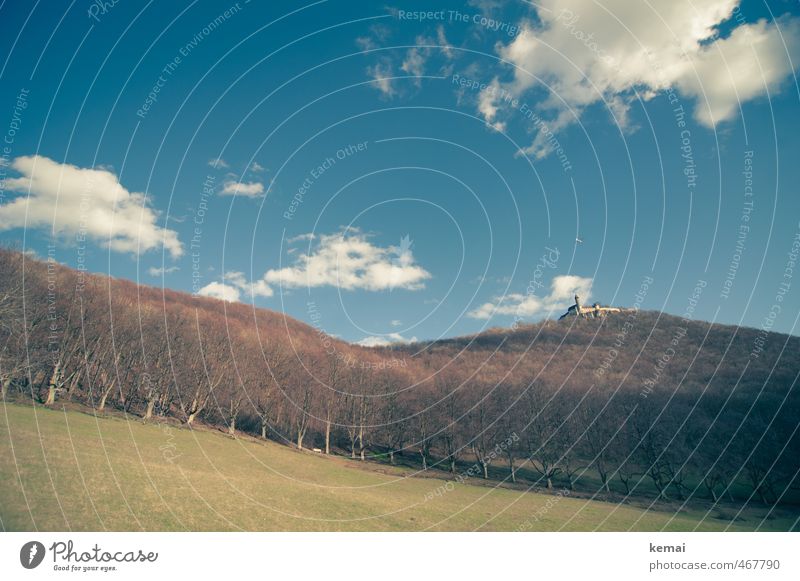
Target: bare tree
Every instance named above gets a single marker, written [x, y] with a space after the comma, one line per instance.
[447, 385]
[212, 365]
[268, 396]
[394, 427]
[364, 412]
[425, 432]
[331, 397]
[479, 427]
[12, 323]
[65, 351]
[600, 425]
[541, 441]
[301, 394]
[236, 398]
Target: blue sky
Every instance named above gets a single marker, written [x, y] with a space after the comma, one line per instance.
[403, 175]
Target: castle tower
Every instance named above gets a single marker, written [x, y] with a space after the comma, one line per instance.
[594, 311]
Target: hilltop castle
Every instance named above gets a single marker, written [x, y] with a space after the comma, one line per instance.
[593, 312]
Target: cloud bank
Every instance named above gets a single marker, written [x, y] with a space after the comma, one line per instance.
[348, 262]
[525, 306]
[246, 189]
[588, 52]
[232, 286]
[86, 203]
[351, 262]
[385, 340]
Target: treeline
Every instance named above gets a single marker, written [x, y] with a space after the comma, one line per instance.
[670, 408]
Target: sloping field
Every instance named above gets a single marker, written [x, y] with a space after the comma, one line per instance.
[67, 470]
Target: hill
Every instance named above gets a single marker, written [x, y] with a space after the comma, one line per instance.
[637, 405]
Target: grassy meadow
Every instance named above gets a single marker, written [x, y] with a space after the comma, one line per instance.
[70, 470]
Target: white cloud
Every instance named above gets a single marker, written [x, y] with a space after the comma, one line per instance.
[352, 262]
[218, 163]
[83, 202]
[246, 189]
[384, 340]
[525, 306]
[378, 34]
[441, 38]
[396, 323]
[564, 288]
[381, 74]
[347, 262]
[414, 62]
[510, 304]
[588, 51]
[221, 291]
[366, 43]
[233, 284]
[162, 270]
[417, 57]
[255, 289]
[488, 107]
[300, 238]
[257, 167]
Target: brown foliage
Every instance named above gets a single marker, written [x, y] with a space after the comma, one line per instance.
[638, 403]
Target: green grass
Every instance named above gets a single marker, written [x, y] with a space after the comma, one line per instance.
[69, 470]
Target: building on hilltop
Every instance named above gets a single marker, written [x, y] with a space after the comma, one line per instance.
[594, 312]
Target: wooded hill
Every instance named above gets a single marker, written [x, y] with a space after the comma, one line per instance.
[637, 403]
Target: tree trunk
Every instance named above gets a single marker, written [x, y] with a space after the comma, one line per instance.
[51, 386]
[511, 468]
[72, 385]
[662, 493]
[328, 437]
[103, 399]
[391, 457]
[102, 404]
[192, 412]
[149, 411]
[603, 480]
[549, 483]
[424, 460]
[300, 439]
[164, 404]
[232, 427]
[6, 383]
[263, 429]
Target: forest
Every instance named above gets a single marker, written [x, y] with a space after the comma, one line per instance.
[640, 403]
